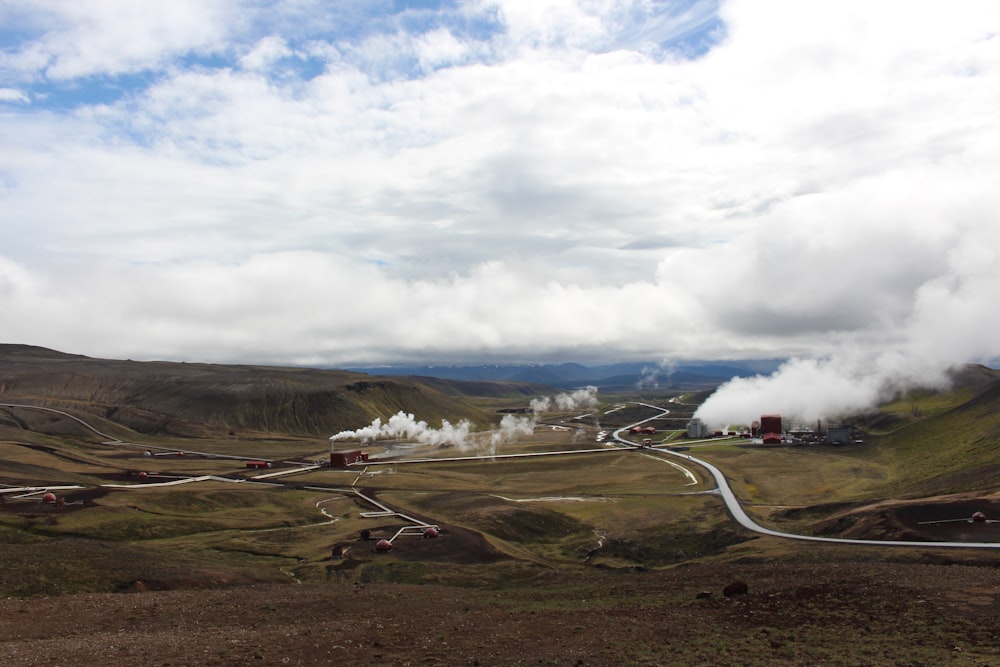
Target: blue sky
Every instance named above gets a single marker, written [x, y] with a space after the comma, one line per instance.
[503, 180]
[44, 35]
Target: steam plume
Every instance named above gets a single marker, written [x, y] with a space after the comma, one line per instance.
[511, 427]
[404, 425]
[581, 398]
[807, 389]
[650, 378]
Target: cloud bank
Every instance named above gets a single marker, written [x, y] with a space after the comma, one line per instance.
[324, 183]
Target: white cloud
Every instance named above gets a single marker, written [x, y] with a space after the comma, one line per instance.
[820, 180]
[554, 22]
[266, 53]
[439, 48]
[14, 95]
[89, 37]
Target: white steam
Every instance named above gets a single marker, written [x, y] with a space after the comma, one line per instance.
[510, 430]
[650, 378]
[581, 398]
[806, 389]
[403, 425]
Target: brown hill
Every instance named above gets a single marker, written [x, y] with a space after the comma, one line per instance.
[194, 399]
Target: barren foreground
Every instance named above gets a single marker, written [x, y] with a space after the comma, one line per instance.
[800, 614]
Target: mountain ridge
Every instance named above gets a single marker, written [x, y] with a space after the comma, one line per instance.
[199, 399]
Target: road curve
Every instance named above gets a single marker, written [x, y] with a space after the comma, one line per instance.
[742, 518]
[724, 490]
[111, 439]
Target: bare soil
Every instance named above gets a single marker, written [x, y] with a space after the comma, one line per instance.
[795, 614]
[936, 519]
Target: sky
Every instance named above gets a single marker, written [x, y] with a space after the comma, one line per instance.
[325, 182]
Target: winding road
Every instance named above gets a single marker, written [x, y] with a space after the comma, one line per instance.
[722, 486]
[742, 518]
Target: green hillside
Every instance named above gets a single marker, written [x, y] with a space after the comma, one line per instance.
[201, 400]
[944, 442]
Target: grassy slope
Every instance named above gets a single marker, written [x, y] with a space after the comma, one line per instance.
[199, 400]
[947, 444]
[926, 443]
[955, 449]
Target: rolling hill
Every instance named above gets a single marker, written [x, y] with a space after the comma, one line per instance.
[196, 400]
[949, 441]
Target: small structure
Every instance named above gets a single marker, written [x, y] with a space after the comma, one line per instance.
[259, 465]
[838, 435]
[49, 497]
[978, 517]
[430, 533]
[345, 458]
[771, 424]
[696, 428]
[383, 545]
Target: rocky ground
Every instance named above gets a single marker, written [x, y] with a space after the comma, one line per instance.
[839, 613]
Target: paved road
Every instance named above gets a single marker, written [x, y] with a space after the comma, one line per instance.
[110, 438]
[741, 517]
[723, 488]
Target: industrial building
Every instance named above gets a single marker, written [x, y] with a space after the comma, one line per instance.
[345, 458]
[696, 428]
[771, 431]
[839, 435]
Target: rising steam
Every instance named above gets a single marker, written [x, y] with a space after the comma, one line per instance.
[828, 388]
[651, 375]
[581, 398]
[403, 425]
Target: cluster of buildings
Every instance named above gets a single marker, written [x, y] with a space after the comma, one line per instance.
[770, 430]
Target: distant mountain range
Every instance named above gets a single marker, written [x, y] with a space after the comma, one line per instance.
[608, 377]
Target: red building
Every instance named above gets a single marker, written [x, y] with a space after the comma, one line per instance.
[770, 424]
[344, 459]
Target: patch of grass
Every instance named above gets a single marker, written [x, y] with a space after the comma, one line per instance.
[796, 476]
[921, 404]
[611, 473]
[618, 510]
[950, 452]
[72, 565]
